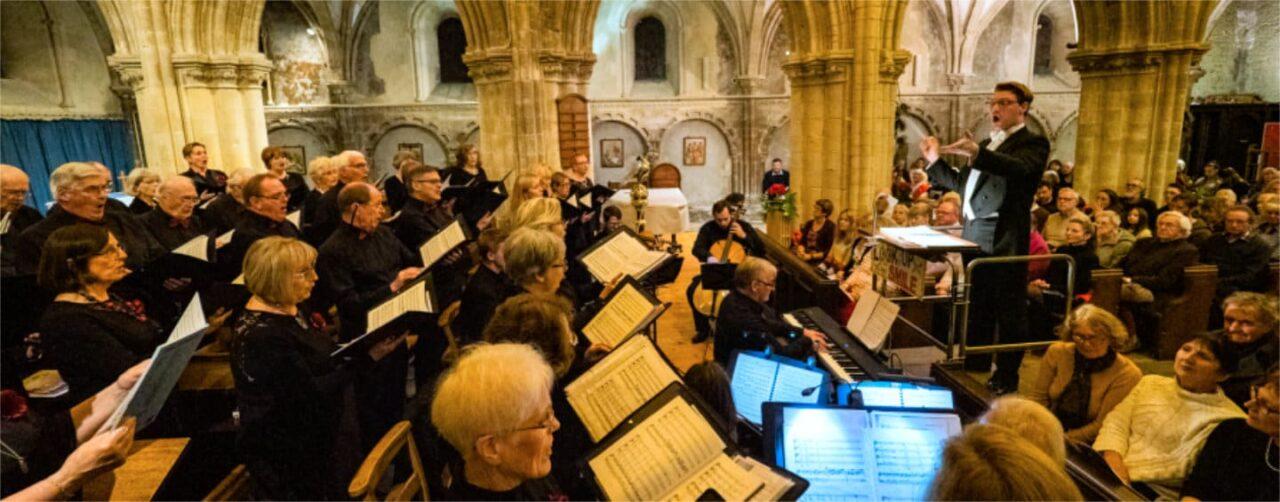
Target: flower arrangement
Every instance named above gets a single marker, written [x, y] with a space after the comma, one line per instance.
[780, 199]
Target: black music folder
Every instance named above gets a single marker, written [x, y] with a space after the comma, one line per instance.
[476, 199]
[621, 253]
[443, 242]
[668, 449]
[628, 309]
[413, 305]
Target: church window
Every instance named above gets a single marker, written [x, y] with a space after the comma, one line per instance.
[452, 42]
[651, 49]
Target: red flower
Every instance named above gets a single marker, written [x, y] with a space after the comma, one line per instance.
[777, 189]
[12, 405]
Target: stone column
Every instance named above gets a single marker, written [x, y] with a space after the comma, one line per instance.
[1135, 86]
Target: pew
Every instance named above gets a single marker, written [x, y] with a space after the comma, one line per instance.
[1106, 289]
[1187, 314]
[800, 285]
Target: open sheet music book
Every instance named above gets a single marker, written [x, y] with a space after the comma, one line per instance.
[411, 306]
[621, 253]
[197, 247]
[923, 237]
[225, 238]
[147, 397]
[442, 243]
[668, 450]
[845, 452]
[628, 309]
[619, 384]
[872, 318]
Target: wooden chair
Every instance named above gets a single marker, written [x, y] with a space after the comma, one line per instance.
[365, 483]
[1187, 314]
[1106, 289]
[446, 323]
[233, 487]
[664, 176]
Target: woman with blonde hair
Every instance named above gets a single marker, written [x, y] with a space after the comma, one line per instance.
[1083, 377]
[324, 175]
[991, 462]
[143, 184]
[528, 186]
[841, 253]
[542, 213]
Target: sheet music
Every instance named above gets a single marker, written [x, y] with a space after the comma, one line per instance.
[775, 485]
[872, 318]
[441, 243]
[658, 455]
[169, 360]
[792, 382]
[908, 450]
[197, 248]
[239, 280]
[752, 385]
[413, 299]
[621, 254]
[192, 320]
[827, 447]
[295, 218]
[618, 385]
[620, 317]
[227, 236]
[730, 480]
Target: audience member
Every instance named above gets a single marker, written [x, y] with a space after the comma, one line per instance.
[15, 215]
[142, 184]
[817, 234]
[1227, 468]
[1055, 228]
[1031, 421]
[209, 182]
[1153, 271]
[1135, 195]
[1136, 223]
[1241, 256]
[1268, 228]
[173, 221]
[1155, 432]
[278, 164]
[1049, 297]
[840, 257]
[1171, 191]
[899, 215]
[991, 462]
[494, 407]
[225, 210]
[466, 168]
[1249, 330]
[1206, 185]
[1083, 377]
[1106, 200]
[747, 322]
[920, 214]
[1113, 242]
[1266, 176]
[1043, 205]
[293, 397]
[919, 185]
[776, 175]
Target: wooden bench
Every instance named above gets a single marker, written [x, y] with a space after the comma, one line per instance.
[1106, 289]
[1187, 315]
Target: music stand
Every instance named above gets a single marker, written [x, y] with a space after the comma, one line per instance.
[717, 277]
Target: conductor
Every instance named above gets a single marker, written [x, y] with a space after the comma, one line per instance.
[997, 187]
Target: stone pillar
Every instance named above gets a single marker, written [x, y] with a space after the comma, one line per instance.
[192, 88]
[1135, 87]
[522, 55]
[844, 73]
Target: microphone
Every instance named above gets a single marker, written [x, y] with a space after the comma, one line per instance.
[809, 391]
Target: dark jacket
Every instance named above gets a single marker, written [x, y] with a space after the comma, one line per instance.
[745, 324]
[1242, 263]
[711, 232]
[783, 178]
[252, 226]
[1001, 202]
[21, 220]
[1159, 265]
[136, 240]
[397, 194]
[170, 232]
[222, 213]
[91, 345]
[485, 290]
[297, 187]
[1253, 361]
[356, 273]
[213, 181]
[325, 218]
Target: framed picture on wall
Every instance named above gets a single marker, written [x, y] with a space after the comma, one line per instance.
[611, 153]
[297, 158]
[416, 148]
[695, 151]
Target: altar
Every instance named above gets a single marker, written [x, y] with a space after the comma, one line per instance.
[667, 212]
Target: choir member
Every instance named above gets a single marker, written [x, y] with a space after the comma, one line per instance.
[267, 201]
[422, 214]
[494, 407]
[173, 221]
[747, 322]
[209, 182]
[991, 462]
[534, 260]
[352, 168]
[224, 211]
[395, 186]
[467, 167]
[294, 399]
[528, 187]
[579, 173]
[323, 174]
[278, 162]
[15, 215]
[142, 184]
[487, 287]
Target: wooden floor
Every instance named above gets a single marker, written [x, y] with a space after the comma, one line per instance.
[675, 327]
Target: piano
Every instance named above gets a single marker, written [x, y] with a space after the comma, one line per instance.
[849, 359]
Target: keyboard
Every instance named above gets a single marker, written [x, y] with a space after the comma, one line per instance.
[848, 359]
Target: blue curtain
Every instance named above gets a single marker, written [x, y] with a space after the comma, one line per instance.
[39, 147]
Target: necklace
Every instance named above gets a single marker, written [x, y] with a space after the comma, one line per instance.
[8, 451]
[1266, 455]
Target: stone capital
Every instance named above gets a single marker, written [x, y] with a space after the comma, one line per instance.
[221, 72]
[561, 67]
[1128, 61]
[956, 81]
[892, 63]
[130, 71]
[826, 68]
[489, 66]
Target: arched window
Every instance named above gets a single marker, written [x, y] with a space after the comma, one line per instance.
[451, 41]
[1044, 46]
[651, 49]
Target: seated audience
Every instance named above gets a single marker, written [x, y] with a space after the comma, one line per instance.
[1155, 432]
[919, 185]
[173, 221]
[1106, 200]
[840, 257]
[1135, 195]
[1269, 227]
[209, 182]
[494, 407]
[1206, 185]
[1154, 269]
[80, 195]
[747, 322]
[1032, 421]
[1226, 196]
[1249, 329]
[142, 184]
[1241, 256]
[920, 214]
[1171, 192]
[278, 163]
[1113, 242]
[266, 201]
[900, 213]
[224, 211]
[91, 335]
[1083, 377]
[1228, 467]
[485, 289]
[293, 397]
[1079, 246]
[1043, 205]
[45, 458]
[1055, 227]
[15, 215]
[991, 462]
[323, 176]
[1137, 223]
[817, 234]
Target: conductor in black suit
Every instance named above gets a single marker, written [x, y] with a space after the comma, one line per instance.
[997, 187]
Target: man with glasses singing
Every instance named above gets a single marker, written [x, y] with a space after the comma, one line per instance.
[266, 202]
[172, 221]
[996, 186]
[15, 215]
[746, 321]
[80, 192]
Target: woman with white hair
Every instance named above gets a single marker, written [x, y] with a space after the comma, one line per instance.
[494, 407]
[535, 261]
[1032, 422]
[542, 213]
[324, 175]
[142, 184]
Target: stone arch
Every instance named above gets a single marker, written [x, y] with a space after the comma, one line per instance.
[314, 143]
[384, 143]
[673, 22]
[423, 21]
[1064, 144]
[635, 143]
[706, 183]
[915, 126]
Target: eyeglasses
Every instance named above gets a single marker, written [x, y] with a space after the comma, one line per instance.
[15, 193]
[279, 196]
[1087, 339]
[1001, 102]
[96, 189]
[548, 422]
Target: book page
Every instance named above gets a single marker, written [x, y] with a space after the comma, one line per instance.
[147, 397]
[797, 385]
[620, 317]
[730, 480]
[227, 236]
[752, 385]
[619, 385]
[828, 447]
[658, 455]
[441, 243]
[622, 254]
[872, 318]
[192, 320]
[775, 485]
[197, 248]
[908, 450]
[295, 218]
[412, 299]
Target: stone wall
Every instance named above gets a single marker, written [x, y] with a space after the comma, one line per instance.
[54, 57]
[1244, 52]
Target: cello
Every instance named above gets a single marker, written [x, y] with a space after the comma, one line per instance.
[706, 301]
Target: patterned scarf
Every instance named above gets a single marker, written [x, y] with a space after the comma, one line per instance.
[1072, 407]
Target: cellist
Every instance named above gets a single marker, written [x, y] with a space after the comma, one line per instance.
[725, 239]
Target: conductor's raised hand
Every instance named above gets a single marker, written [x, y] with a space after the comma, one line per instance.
[929, 148]
[964, 146]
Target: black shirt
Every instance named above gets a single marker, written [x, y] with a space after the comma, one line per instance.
[745, 324]
[711, 232]
[91, 344]
[1242, 263]
[134, 238]
[138, 207]
[297, 187]
[222, 213]
[458, 176]
[783, 178]
[325, 218]
[251, 227]
[485, 290]
[213, 181]
[171, 232]
[396, 193]
[418, 221]
[1232, 465]
[1254, 360]
[21, 219]
[532, 490]
[292, 398]
[356, 273]
[309, 203]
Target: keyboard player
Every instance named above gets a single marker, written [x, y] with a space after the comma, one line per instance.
[746, 322]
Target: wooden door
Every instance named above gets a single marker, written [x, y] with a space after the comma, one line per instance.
[575, 129]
